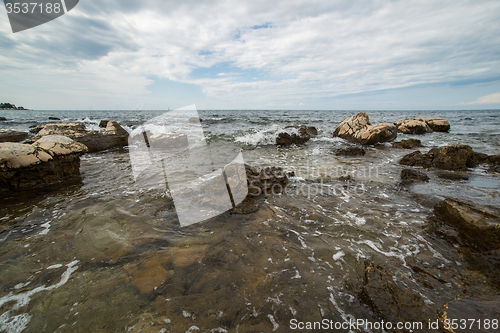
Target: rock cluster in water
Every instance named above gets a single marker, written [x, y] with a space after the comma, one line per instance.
[422, 125]
[12, 136]
[358, 129]
[304, 134]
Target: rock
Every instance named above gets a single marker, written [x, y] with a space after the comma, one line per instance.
[297, 135]
[166, 141]
[114, 135]
[51, 160]
[412, 126]
[12, 136]
[422, 125]
[407, 144]
[261, 183]
[346, 178]
[477, 226]
[350, 151]
[36, 128]
[103, 123]
[494, 161]
[480, 309]
[358, 129]
[54, 118]
[409, 176]
[194, 120]
[3, 119]
[393, 300]
[456, 157]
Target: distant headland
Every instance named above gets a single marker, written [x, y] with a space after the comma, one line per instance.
[8, 106]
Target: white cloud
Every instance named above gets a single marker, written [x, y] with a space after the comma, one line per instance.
[307, 50]
[488, 99]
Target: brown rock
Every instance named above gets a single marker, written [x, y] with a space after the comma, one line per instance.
[12, 136]
[407, 144]
[480, 309]
[194, 120]
[58, 145]
[412, 126]
[359, 130]
[409, 176]
[103, 123]
[456, 157]
[438, 124]
[303, 135]
[477, 226]
[3, 119]
[54, 118]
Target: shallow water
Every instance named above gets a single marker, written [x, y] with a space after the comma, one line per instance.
[102, 254]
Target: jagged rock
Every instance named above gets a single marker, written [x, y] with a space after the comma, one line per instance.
[350, 151]
[409, 176]
[407, 144]
[456, 157]
[494, 161]
[36, 128]
[114, 135]
[303, 135]
[12, 136]
[412, 126]
[477, 226]
[359, 130]
[422, 125]
[392, 300]
[52, 159]
[478, 309]
[3, 119]
[261, 183]
[54, 118]
[103, 123]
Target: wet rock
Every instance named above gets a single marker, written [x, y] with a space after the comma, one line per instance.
[346, 178]
[358, 129]
[194, 120]
[114, 135]
[412, 126]
[393, 300]
[350, 151]
[261, 183]
[407, 144]
[422, 125]
[477, 226]
[54, 118]
[481, 309]
[3, 119]
[36, 128]
[494, 161]
[166, 141]
[103, 123]
[12, 136]
[409, 176]
[302, 135]
[51, 160]
[456, 157]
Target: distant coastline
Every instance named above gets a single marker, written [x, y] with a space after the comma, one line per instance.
[9, 106]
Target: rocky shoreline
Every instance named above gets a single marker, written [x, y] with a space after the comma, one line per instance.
[432, 292]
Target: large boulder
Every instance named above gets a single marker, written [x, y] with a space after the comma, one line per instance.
[12, 136]
[422, 125]
[412, 126]
[50, 160]
[296, 135]
[455, 157]
[114, 135]
[358, 129]
[477, 226]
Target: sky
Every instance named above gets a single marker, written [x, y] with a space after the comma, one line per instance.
[220, 54]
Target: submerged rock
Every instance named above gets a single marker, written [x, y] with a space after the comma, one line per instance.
[12, 136]
[456, 157]
[3, 119]
[54, 118]
[481, 311]
[52, 159]
[409, 176]
[407, 144]
[477, 226]
[350, 151]
[303, 135]
[358, 129]
[114, 135]
[422, 125]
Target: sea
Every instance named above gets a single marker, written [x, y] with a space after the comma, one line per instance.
[102, 254]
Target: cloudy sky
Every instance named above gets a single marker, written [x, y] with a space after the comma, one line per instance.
[354, 55]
